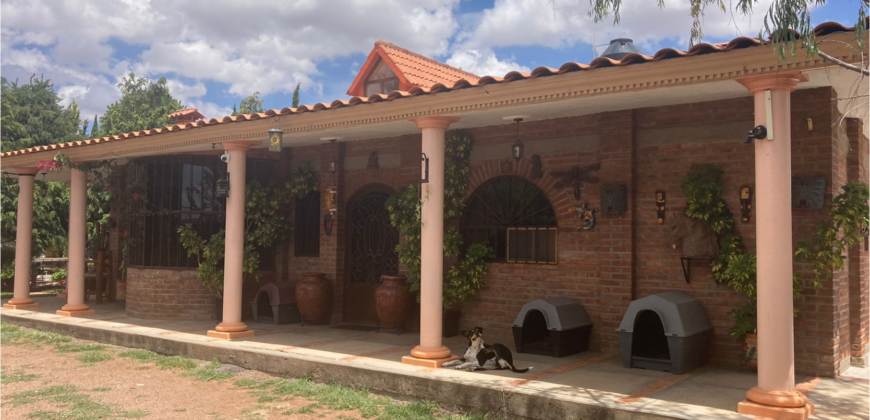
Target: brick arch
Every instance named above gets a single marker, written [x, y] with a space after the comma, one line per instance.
[492, 169]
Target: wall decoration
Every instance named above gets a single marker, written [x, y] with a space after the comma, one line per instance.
[745, 203]
[576, 177]
[585, 215]
[661, 199]
[537, 167]
[507, 167]
[614, 199]
[694, 238]
[373, 161]
[328, 219]
[808, 192]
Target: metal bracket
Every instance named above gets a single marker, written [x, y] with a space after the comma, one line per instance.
[686, 264]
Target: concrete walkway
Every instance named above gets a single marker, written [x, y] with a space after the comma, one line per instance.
[589, 385]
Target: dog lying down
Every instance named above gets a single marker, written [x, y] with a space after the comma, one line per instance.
[484, 356]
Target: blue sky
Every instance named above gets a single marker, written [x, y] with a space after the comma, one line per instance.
[214, 56]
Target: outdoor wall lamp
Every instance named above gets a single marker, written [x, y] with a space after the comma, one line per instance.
[275, 138]
[424, 169]
[222, 186]
[333, 167]
[518, 147]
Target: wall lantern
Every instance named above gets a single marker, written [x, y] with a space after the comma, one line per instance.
[424, 169]
[222, 186]
[518, 147]
[333, 167]
[275, 138]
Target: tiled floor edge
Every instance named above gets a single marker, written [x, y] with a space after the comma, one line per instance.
[520, 403]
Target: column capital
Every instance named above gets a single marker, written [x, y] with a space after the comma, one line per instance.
[237, 145]
[434, 122]
[787, 80]
[27, 171]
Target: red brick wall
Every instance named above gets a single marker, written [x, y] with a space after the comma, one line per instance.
[172, 294]
[859, 268]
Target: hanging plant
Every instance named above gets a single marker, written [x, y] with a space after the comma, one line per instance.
[465, 278]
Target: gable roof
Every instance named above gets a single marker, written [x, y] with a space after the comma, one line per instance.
[189, 114]
[412, 69]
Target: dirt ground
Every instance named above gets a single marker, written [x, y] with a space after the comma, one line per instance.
[51, 381]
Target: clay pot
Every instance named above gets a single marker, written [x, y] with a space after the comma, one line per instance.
[314, 297]
[120, 290]
[393, 302]
[750, 350]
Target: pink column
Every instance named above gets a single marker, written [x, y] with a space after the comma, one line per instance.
[78, 212]
[775, 396]
[23, 241]
[431, 352]
[232, 326]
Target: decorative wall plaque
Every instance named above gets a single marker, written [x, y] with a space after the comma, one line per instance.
[585, 215]
[537, 166]
[746, 203]
[661, 199]
[808, 192]
[576, 177]
[614, 199]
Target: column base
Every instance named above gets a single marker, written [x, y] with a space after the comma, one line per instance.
[20, 304]
[421, 352]
[429, 363]
[236, 335]
[85, 312]
[771, 412]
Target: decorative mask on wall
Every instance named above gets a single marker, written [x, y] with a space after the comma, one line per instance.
[537, 166]
[585, 215]
[576, 177]
[614, 199]
[746, 203]
[373, 161]
[808, 192]
[694, 238]
[661, 199]
[331, 210]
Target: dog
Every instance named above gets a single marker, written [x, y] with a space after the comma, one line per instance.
[484, 356]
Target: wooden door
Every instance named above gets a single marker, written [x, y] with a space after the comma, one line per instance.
[371, 253]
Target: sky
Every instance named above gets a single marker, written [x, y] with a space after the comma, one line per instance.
[214, 53]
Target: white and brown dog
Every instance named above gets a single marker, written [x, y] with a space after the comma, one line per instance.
[484, 356]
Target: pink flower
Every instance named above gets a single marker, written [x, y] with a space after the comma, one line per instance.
[135, 196]
[126, 233]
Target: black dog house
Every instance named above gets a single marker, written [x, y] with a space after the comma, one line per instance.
[556, 326]
[275, 303]
[668, 332]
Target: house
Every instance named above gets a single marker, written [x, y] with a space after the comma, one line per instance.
[635, 124]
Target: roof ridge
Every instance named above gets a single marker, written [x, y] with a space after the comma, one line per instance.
[389, 44]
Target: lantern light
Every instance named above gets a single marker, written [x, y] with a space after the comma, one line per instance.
[276, 136]
[222, 186]
[333, 167]
[518, 147]
[424, 169]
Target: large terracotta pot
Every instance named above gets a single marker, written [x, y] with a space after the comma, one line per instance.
[393, 302]
[750, 350]
[314, 297]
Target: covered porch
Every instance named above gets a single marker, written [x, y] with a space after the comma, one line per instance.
[586, 384]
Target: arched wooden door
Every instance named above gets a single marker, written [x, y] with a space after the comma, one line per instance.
[371, 253]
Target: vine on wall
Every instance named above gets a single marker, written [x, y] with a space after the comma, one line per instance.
[465, 278]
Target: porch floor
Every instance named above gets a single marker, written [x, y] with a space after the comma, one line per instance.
[590, 382]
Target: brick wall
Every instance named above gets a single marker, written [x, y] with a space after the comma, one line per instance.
[859, 268]
[171, 294]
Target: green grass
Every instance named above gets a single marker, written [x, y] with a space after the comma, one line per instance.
[91, 357]
[18, 376]
[13, 334]
[5, 295]
[308, 409]
[102, 389]
[76, 406]
[209, 372]
[80, 347]
[135, 414]
[164, 362]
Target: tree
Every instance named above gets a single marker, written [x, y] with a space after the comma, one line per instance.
[144, 105]
[95, 130]
[296, 95]
[250, 105]
[32, 115]
[787, 23]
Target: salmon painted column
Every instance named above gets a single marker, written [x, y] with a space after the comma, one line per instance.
[78, 231]
[431, 352]
[23, 240]
[232, 326]
[775, 395]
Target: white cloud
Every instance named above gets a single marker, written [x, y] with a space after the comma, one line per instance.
[483, 62]
[209, 109]
[184, 92]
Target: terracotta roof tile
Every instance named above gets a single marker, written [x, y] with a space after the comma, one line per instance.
[421, 70]
[467, 81]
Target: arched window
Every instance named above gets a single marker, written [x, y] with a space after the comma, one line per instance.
[514, 217]
[382, 80]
